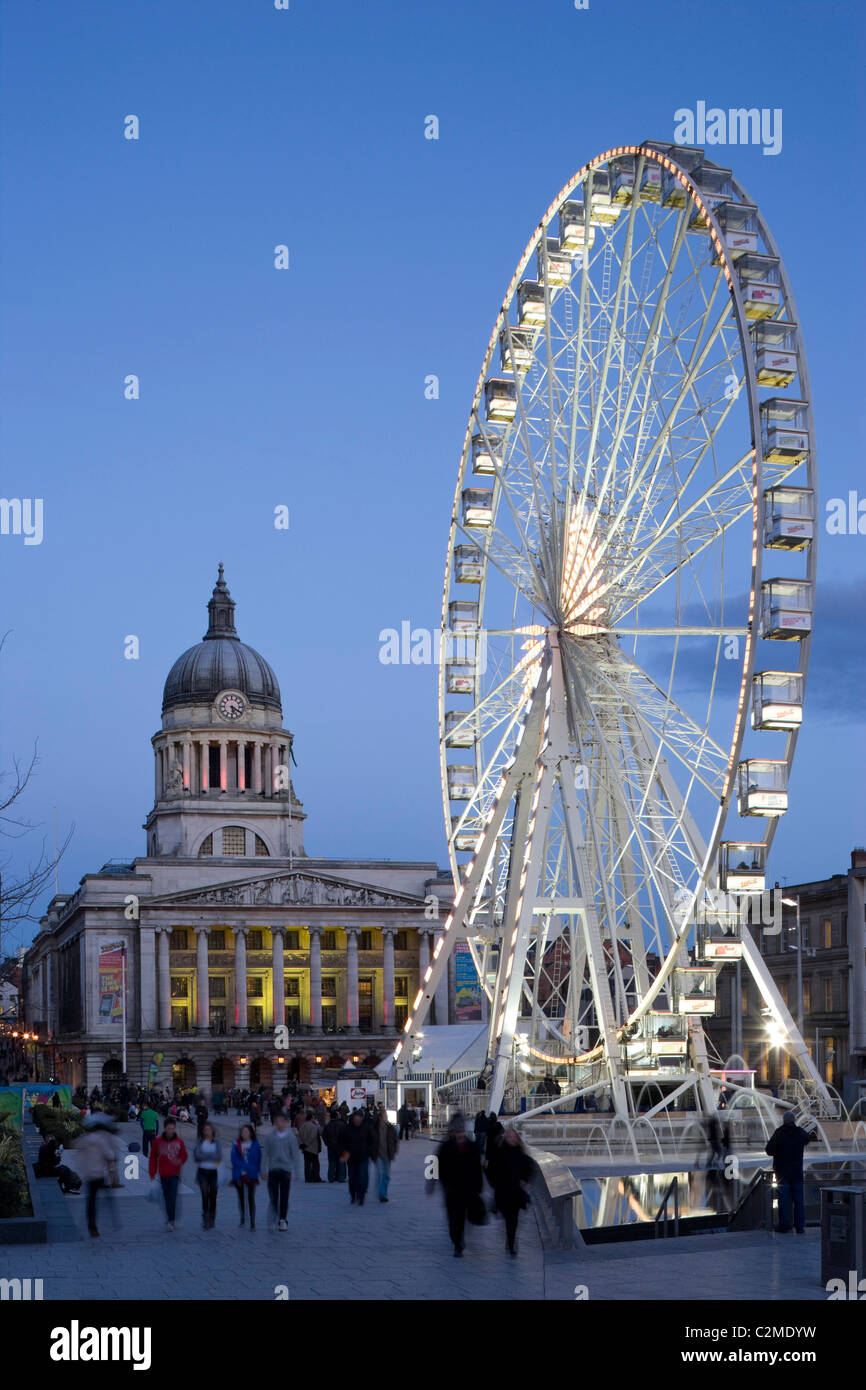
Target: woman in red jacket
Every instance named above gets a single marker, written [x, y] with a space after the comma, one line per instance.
[167, 1157]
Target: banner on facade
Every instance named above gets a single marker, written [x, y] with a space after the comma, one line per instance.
[156, 1062]
[111, 970]
[467, 987]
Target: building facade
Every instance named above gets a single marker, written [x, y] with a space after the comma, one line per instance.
[245, 960]
[821, 977]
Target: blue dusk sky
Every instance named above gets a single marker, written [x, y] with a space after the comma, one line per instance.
[305, 388]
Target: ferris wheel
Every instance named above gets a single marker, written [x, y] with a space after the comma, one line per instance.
[626, 625]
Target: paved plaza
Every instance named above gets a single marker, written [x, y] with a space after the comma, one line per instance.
[398, 1250]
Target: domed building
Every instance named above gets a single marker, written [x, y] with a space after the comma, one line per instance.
[247, 961]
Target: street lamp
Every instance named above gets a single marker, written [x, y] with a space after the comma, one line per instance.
[795, 902]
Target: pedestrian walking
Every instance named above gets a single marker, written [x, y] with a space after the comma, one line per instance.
[208, 1154]
[386, 1151]
[786, 1149]
[149, 1121]
[246, 1158]
[334, 1135]
[200, 1117]
[480, 1130]
[461, 1179]
[360, 1150]
[509, 1172]
[167, 1156]
[282, 1158]
[310, 1141]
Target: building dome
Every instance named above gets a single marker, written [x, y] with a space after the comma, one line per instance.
[221, 661]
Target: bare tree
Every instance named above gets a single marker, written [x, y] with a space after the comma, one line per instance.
[18, 894]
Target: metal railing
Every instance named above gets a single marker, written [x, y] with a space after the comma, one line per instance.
[672, 1190]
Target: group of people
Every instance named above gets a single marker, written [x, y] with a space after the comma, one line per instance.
[499, 1154]
[290, 1150]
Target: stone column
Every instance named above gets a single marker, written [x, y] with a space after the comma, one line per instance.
[147, 978]
[157, 779]
[186, 758]
[224, 763]
[352, 978]
[388, 978]
[279, 976]
[240, 979]
[202, 992]
[423, 956]
[316, 978]
[204, 753]
[443, 992]
[164, 969]
[242, 767]
[257, 767]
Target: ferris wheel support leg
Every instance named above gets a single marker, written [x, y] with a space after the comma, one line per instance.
[595, 951]
[773, 999]
[465, 897]
[703, 1085]
[530, 831]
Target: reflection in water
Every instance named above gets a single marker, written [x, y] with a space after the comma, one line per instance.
[621, 1201]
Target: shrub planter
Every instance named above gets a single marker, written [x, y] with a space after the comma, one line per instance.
[27, 1230]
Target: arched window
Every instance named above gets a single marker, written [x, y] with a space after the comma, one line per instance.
[206, 847]
[262, 851]
[234, 839]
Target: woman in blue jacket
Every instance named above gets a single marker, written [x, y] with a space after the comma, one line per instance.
[246, 1166]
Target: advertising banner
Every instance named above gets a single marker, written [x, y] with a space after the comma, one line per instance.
[467, 987]
[111, 981]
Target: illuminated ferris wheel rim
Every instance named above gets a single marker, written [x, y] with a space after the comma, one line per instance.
[663, 157]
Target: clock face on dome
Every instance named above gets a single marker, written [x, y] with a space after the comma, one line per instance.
[231, 705]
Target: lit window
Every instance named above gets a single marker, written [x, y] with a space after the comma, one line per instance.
[179, 987]
[827, 932]
[293, 987]
[255, 987]
[234, 841]
[329, 987]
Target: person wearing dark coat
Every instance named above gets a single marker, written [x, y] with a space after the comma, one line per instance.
[480, 1129]
[49, 1164]
[358, 1154]
[461, 1178]
[786, 1150]
[335, 1134]
[494, 1131]
[509, 1172]
[200, 1119]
